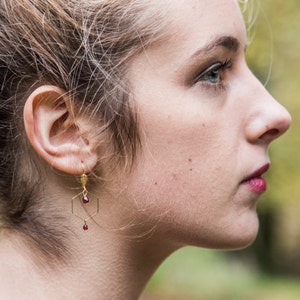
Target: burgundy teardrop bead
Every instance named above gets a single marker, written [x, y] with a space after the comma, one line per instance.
[85, 227]
[85, 199]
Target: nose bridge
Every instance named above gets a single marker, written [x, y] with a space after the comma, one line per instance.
[270, 119]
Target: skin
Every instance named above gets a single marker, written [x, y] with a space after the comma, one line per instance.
[204, 129]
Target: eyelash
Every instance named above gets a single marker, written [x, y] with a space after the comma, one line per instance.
[215, 69]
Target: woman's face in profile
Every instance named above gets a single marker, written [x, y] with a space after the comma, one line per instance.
[205, 123]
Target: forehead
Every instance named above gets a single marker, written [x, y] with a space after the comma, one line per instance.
[200, 11]
[197, 22]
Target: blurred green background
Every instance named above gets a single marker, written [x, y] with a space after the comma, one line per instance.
[270, 268]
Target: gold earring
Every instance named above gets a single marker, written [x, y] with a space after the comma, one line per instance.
[85, 200]
[84, 180]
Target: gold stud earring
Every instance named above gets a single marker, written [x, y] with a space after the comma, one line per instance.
[85, 200]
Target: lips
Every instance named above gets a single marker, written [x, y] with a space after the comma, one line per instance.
[255, 181]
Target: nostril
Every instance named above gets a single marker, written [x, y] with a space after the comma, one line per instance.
[273, 132]
[270, 134]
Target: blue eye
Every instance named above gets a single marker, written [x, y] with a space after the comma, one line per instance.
[213, 74]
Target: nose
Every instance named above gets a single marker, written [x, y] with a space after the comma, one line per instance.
[268, 119]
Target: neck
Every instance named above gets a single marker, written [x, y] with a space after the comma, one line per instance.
[107, 267]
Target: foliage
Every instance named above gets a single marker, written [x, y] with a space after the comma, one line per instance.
[194, 274]
[275, 48]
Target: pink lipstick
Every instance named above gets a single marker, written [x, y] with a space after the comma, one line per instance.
[255, 181]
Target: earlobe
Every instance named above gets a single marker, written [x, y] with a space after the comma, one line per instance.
[60, 139]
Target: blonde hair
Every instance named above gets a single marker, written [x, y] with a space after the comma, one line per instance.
[250, 10]
[83, 47]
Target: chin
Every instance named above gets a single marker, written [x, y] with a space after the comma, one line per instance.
[241, 238]
[232, 242]
[240, 243]
[233, 237]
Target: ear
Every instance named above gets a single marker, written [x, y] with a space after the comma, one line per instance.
[62, 141]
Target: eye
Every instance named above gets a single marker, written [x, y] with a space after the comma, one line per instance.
[213, 75]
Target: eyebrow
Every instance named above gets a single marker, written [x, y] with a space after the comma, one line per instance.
[229, 42]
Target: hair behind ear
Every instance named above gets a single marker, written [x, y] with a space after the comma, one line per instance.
[62, 140]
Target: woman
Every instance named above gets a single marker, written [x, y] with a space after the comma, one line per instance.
[128, 130]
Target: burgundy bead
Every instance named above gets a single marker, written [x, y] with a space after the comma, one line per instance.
[85, 199]
[85, 227]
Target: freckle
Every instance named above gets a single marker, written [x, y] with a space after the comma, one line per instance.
[191, 169]
[175, 176]
[203, 125]
[155, 183]
[190, 160]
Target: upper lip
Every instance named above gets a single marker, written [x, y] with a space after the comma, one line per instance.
[258, 173]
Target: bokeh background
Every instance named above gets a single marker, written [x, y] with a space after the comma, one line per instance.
[270, 268]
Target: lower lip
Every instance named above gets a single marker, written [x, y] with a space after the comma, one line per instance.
[257, 184]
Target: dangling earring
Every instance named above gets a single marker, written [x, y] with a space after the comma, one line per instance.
[84, 199]
[84, 180]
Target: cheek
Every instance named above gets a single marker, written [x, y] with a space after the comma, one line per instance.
[188, 188]
[179, 186]
[191, 207]
[183, 160]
